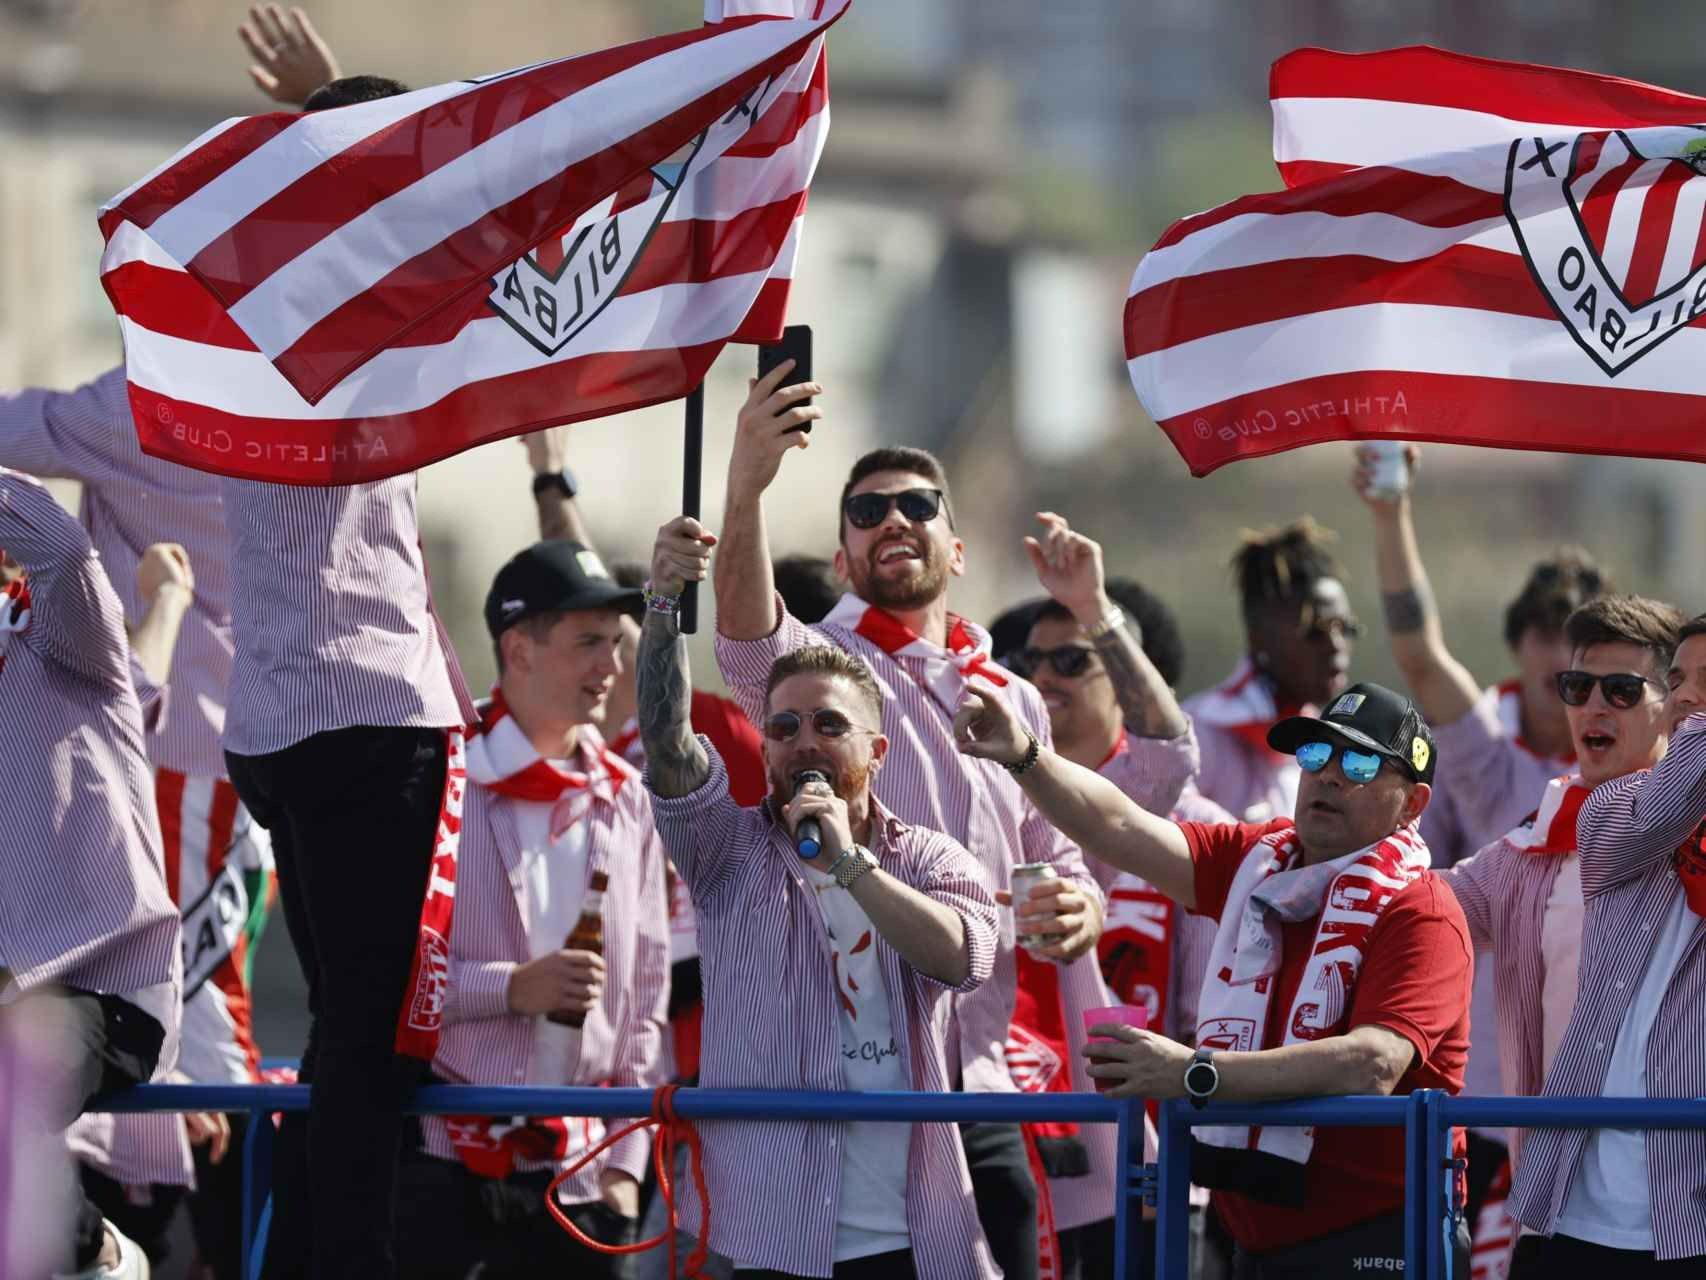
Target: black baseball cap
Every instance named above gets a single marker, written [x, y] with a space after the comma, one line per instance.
[1370, 717]
[554, 577]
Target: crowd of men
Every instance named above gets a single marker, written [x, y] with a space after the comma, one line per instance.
[223, 695]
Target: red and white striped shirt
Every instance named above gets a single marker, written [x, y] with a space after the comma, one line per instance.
[771, 1022]
[83, 896]
[131, 501]
[927, 782]
[333, 616]
[1628, 834]
[622, 1042]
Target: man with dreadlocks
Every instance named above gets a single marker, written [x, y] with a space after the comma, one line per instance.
[1300, 630]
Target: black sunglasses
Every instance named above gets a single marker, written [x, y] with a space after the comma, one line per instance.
[1069, 661]
[868, 510]
[1622, 688]
[825, 723]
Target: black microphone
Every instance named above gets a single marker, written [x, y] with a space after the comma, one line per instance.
[808, 836]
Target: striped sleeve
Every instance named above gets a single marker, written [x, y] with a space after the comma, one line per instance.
[1042, 841]
[700, 830]
[746, 664]
[1631, 824]
[1477, 881]
[952, 878]
[478, 989]
[76, 620]
[66, 435]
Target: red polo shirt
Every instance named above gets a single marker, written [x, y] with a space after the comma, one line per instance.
[1415, 979]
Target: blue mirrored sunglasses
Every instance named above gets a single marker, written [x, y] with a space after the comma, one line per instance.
[1358, 766]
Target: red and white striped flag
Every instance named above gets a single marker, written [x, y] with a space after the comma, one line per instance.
[1472, 251]
[343, 296]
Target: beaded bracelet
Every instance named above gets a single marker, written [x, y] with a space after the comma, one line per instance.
[1028, 760]
[657, 602]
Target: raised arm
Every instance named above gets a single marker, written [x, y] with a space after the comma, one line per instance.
[1089, 810]
[1443, 687]
[553, 495]
[766, 429]
[165, 582]
[1069, 567]
[290, 58]
[676, 761]
[1633, 823]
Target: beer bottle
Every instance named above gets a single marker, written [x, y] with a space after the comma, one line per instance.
[587, 935]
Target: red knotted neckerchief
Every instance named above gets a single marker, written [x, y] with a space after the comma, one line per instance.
[540, 781]
[947, 669]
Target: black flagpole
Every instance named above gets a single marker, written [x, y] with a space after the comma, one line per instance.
[692, 460]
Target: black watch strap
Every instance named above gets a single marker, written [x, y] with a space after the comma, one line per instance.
[1204, 1075]
[562, 482]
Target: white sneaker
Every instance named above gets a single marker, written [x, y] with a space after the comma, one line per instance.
[132, 1263]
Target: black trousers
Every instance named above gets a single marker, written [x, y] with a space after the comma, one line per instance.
[1006, 1195]
[879, 1266]
[450, 1220]
[90, 1044]
[352, 814]
[1564, 1257]
[1375, 1247]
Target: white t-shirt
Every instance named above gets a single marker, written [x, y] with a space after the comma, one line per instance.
[871, 1218]
[1609, 1202]
[1561, 953]
[554, 873]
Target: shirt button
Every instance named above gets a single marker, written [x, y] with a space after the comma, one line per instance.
[1599, 1046]
[1620, 984]
[826, 1200]
[519, 1072]
[1646, 928]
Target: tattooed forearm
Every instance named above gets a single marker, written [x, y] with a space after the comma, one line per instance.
[1407, 610]
[1148, 705]
[675, 760]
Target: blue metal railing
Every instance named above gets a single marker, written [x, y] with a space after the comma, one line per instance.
[1426, 1116]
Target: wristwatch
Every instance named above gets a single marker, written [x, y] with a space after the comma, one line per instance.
[857, 860]
[562, 481]
[1202, 1077]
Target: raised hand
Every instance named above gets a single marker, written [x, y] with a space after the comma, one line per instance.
[547, 449]
[817, 800]
[986, 729]
[682, 554]
[291, 60]
[1362, 475]
[163, 565]
[1069, 567]
[768, 427]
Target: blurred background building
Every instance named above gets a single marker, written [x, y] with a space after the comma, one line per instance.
[994, 172]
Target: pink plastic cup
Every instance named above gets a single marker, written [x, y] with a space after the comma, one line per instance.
[1130, 1014]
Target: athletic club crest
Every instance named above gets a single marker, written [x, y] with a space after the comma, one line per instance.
[1612, 225]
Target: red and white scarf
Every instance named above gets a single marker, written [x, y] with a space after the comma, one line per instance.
[946, 670]
[502, 759]
[1348, 893]
[1551, 829]
[1244, 705]
[14, 613]
[422, 1016]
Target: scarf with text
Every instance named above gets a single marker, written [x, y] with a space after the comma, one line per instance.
[947, 670]
[422, 1016]
[501, 759]
[1271, 887]
[14, 613]
[1244, 705]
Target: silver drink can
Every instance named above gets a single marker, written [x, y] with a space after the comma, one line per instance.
[1389, 473]
[1026, 878]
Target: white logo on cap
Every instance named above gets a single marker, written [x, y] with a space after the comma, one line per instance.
[1347, 705]
[513, 606]
[590, 564]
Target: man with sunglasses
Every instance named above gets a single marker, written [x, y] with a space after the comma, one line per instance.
[1341, 966]
[1522, 894]
[1111, 709]
[826, 967]
[898, 552]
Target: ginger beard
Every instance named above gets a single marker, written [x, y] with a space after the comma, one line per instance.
[847, 781]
